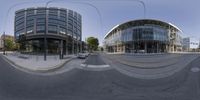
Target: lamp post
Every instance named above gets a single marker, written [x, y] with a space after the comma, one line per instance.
[139, 1]
[5, 21]
[4, 33]
[89, 4]
[46, 31]
[4, 46]
[143, 4]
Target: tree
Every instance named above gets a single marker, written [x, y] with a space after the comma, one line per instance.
[93, 43]
[10, 44]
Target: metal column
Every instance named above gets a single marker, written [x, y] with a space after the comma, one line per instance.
[46, 32]
[145, 47]
[157, 47]
[61, 49]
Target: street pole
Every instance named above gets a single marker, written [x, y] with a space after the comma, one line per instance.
[4, 46]
[5, 21]
[84, 3]
[139, 1]
[46, 31]
[144, 6]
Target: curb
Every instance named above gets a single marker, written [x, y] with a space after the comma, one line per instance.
[55, 67]
[36, 70]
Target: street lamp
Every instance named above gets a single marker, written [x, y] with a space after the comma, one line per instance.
[46, 32]
[98, 12]
[143, 4]
[4, 45]
[139, 1]
[47, 3]
[5, 21]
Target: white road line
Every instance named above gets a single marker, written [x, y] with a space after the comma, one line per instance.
[83, 65]
[95, 66]
[195, 69]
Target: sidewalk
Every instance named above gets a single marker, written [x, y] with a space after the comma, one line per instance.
[37, 63]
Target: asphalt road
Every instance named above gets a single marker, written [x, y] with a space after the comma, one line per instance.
[79, 84]
[94, 59]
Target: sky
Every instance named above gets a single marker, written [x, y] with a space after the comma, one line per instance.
[99, 16]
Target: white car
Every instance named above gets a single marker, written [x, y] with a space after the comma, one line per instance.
[82, 55]
[87, 54]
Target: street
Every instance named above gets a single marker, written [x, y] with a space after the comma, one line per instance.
[109, 84]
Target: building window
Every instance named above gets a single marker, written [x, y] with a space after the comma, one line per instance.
[29, 30]
[29, 22]
[53, 16]
[41, 21]
[52, 28]
[62, 30]
[40, 28]
[53, 21]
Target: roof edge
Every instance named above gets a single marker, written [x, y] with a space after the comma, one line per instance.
[139, 20]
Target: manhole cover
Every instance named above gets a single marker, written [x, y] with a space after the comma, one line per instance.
[195, 69]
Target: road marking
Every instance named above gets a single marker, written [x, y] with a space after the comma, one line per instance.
[94, 66]
[83, 65]
[195, 69]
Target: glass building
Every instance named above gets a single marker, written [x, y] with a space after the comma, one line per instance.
[144, 36]
[63, 28]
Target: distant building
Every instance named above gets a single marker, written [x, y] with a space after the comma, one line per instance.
[144, 36]
[190, 44]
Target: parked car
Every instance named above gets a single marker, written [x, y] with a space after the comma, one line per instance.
[82, 55]
[87, 53]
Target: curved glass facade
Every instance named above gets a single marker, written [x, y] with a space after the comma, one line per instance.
[148, 36]
[63, 27]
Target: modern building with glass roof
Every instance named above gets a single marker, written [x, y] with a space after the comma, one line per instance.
[61, 26]
[143, 36]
